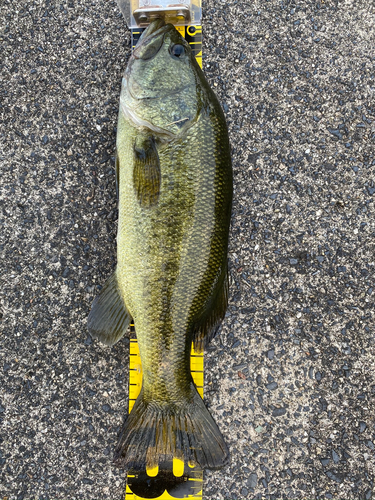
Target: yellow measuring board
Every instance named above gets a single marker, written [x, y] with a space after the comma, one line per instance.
[182, 481]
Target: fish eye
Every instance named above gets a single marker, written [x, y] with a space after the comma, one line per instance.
[177, 50]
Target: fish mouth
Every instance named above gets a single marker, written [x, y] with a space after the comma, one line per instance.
[152, 28]
[151, 40]
[147, 47]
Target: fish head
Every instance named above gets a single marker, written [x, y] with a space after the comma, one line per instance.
[161, 82]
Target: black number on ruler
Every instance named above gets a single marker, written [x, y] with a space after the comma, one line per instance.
[144, 486]
[193, 37]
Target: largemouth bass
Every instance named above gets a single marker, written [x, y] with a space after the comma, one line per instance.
[175, 193]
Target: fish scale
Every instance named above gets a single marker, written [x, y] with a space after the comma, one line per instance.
[190, 176]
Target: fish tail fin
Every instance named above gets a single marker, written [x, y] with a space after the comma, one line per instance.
[157, 432]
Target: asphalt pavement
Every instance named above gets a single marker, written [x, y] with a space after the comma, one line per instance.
[290, 379]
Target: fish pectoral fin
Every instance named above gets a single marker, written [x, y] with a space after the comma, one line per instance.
[208, 324]
[146, 173]
[109, 318]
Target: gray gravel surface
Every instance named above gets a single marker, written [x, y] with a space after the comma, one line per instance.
[290, 380]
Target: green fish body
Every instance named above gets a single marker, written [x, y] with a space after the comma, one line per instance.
[175, 193]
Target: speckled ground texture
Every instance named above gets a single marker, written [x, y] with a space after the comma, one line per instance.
[290, 379]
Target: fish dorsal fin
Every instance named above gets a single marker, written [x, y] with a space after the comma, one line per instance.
[208, 324]
[146, 174]
[109, 318]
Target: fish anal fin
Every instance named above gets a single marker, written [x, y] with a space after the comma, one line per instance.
[146, 173]
[109, 318]
[208, 324]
